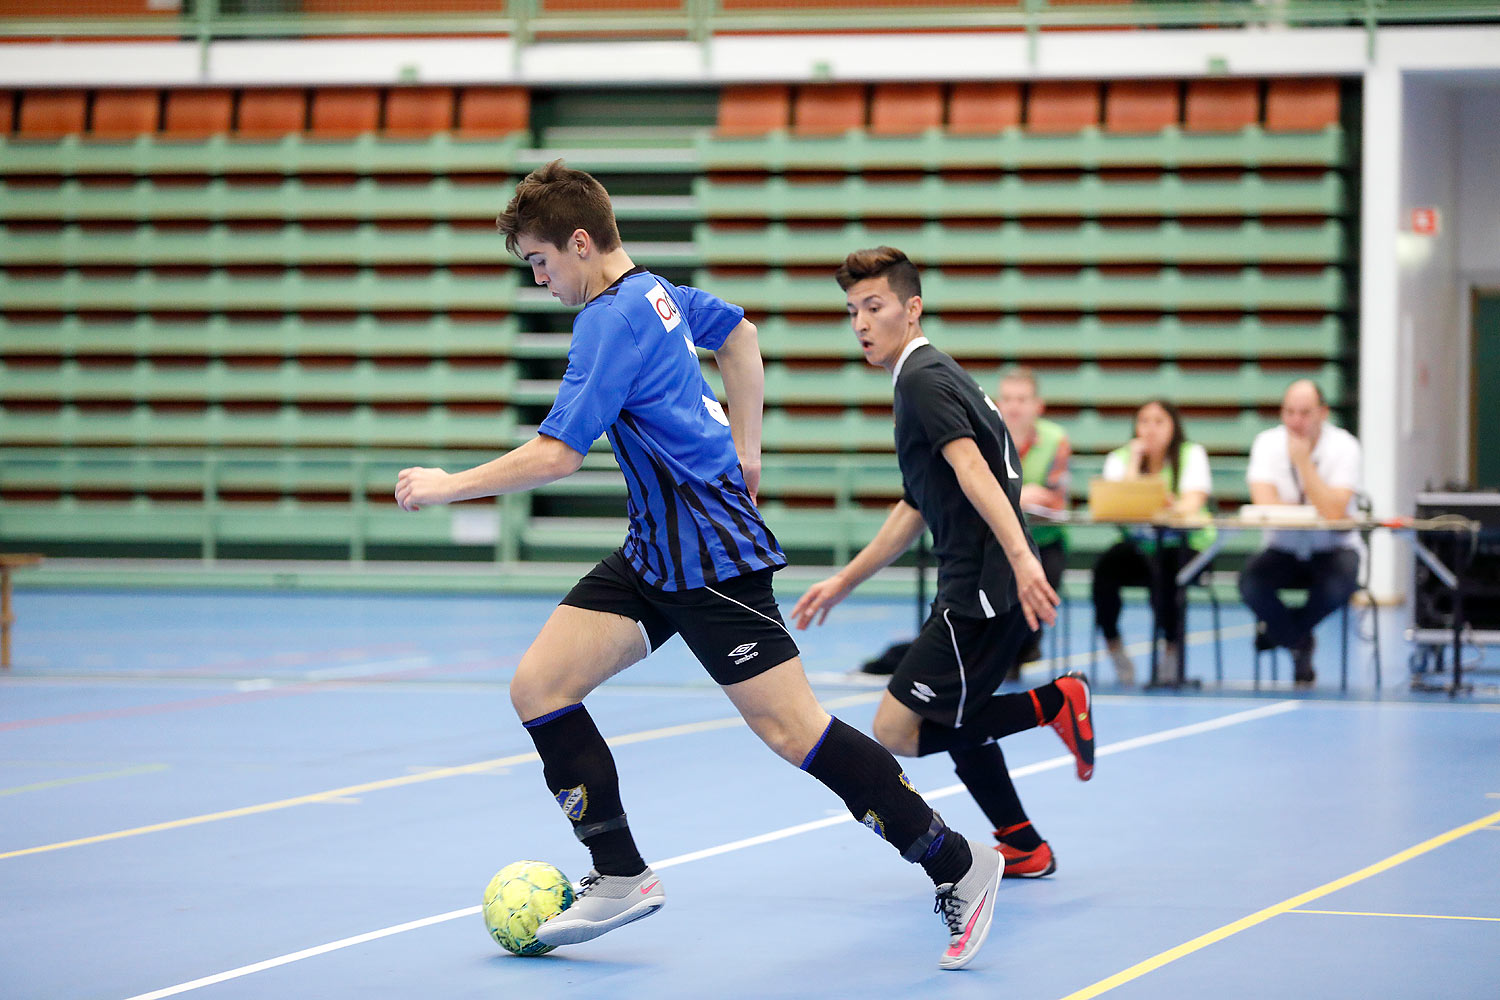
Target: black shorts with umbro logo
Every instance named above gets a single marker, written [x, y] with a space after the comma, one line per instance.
[733, 627]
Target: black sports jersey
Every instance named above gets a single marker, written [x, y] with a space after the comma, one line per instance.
[937, 402]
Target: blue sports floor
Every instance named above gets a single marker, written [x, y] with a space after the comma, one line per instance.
[248, 795]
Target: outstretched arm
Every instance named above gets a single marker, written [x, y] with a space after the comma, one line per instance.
[745, 391]
[1038, 600]
[902, 526]
[536, 463]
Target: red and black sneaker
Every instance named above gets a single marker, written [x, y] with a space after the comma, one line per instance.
[1027, 864]
[1074, 723]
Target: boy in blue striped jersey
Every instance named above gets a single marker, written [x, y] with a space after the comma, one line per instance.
[697, 561]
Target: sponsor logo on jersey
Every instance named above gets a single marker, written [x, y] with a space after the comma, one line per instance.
[907, 782]
[574, 801]
[922, 691]
[875, 823]
[666, 309]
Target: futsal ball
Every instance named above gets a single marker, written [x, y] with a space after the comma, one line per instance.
[519, 898]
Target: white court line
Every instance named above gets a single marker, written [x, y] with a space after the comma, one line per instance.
[1134, 743]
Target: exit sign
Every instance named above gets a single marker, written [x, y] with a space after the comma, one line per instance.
[1424, 221]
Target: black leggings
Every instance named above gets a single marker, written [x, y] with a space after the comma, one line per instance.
[1125, 565]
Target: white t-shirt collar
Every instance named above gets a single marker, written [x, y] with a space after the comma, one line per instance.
[896, 371]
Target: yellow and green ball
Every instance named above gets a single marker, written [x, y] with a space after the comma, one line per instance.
[520, 897]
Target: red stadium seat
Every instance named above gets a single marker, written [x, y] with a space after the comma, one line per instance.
[125, 114]
[415, 112]
[1140, 105]
[271, 113]
[198, 114]
[1301, 105]
[7, 111]
[828, 108]
[493, 111]
[1221, 105]
[906, 108]
[344, 112]
[52, 114]
[754, 110]
[983, 108]
[1062, 105]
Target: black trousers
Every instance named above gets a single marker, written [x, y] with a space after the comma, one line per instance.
[1330, 579]
[1125, 565]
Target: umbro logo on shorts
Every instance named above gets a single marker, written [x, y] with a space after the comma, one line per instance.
[922, 691]
[745, 651]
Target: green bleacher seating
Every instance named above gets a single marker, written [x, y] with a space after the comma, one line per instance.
[1089, 289]
[1167, 242]
[289, 290]
[224, 344]
[437, 336]
[1009, 338]
[1014, 149]
[1089, 196]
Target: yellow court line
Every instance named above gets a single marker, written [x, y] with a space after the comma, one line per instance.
[1408, 916]
[349, 791]
[80, 778]
[1285, 906]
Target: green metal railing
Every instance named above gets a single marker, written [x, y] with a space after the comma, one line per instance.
[700, 20]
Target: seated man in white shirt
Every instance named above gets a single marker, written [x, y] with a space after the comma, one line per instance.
[1305, 460]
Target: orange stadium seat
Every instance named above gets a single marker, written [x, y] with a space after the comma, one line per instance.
[1301, 105]
[271, 113]
[493, 111]
[828, 108]
[754, 110]
[125, 114]
[414, 112]
[198, 114]
[7, 111]
[906, 108]
[980, 108]
[1221, 105]
[1062, 105]
[343, 112]
[1140, 105]
[51, 114]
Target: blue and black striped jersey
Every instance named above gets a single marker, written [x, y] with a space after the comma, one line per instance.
[633, 374]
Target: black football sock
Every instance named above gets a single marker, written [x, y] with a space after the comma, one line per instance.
[879, 795]
[983, 772]
[1022, 836]
[580, 772]
[1001, 715]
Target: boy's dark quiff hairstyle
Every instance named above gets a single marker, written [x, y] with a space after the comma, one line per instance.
[899, 271]
[554, 201]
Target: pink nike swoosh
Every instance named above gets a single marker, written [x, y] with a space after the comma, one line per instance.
[957, 947]
[647, 888]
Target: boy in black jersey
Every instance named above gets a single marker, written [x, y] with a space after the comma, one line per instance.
[961, 477]
[697, 561]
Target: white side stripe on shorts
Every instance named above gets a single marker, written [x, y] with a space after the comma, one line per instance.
[963, 678]
[750, 609]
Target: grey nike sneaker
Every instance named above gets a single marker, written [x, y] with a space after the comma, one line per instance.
[602, 903]
[967, 907]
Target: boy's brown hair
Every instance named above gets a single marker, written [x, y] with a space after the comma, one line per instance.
[899, 271]
[554, 201]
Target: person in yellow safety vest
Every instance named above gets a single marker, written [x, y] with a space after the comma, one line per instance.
[1159, 448]
[1045, 456]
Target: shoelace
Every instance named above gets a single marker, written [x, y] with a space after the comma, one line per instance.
[950, 907]
[587, 883]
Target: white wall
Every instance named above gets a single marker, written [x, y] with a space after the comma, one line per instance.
[1429, 342]
[1338, 51]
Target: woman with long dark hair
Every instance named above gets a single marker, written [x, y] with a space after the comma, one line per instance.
[1159, 448]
